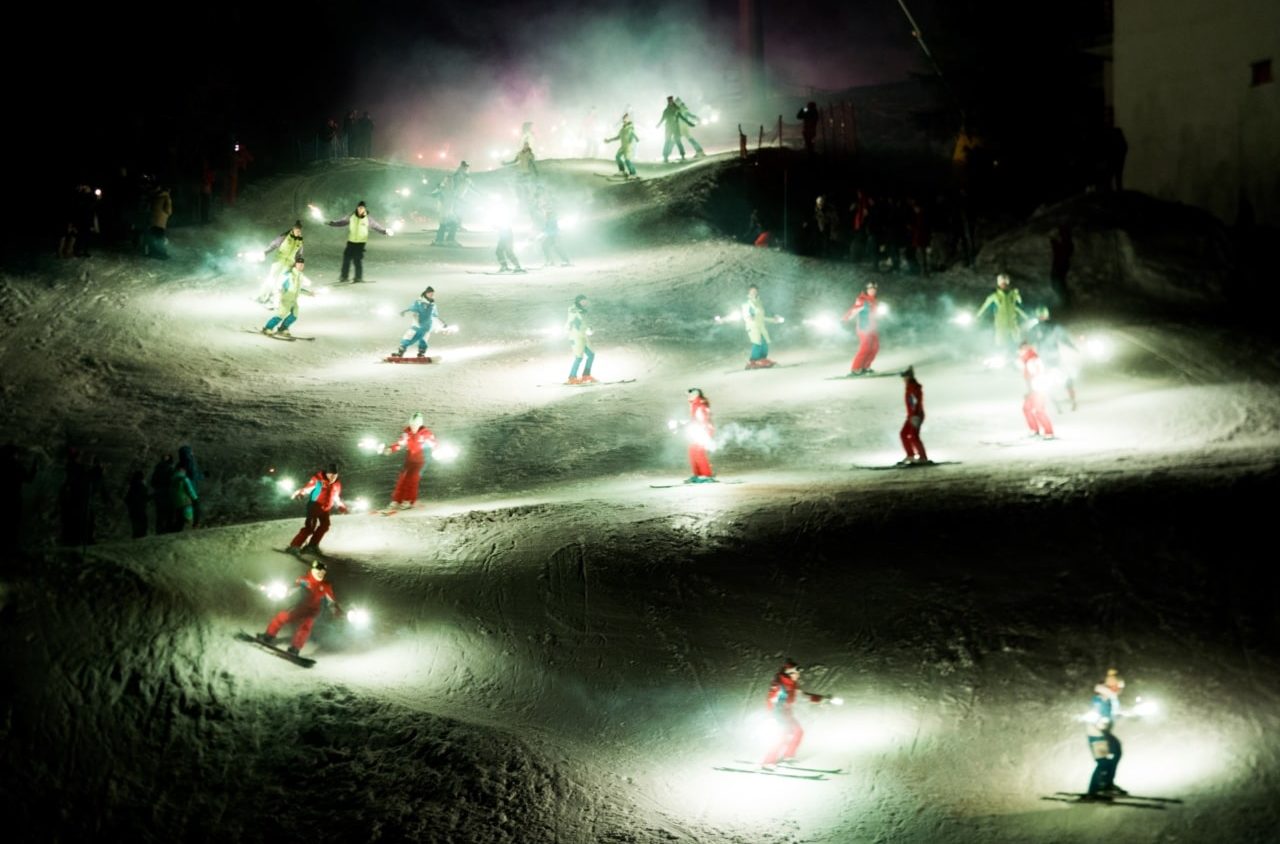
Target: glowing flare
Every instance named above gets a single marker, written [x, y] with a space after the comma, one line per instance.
[385, 311]
[823, 324]
[445, 452]
[359, 618]
[882, 309]
[1144, 708]
[360, 505]
[1097, 348]
[315, 213]
[403, 192]
[276, 590]
[285, 485]
[964, 319]
[370, 444]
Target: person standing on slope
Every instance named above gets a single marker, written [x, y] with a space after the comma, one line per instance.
[1007, 304]
[415, 440]
[312, 592]
[579, 330]
[357, 224]
[292, 284]
[702, 433]
[754, 317]
[784, 691]
[425, 316]
[910, 433]
[864, 309]
[1033, 404]
[323, 493]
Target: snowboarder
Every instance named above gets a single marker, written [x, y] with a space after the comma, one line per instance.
[1007, 302]
[754, 317]
[701, 437]
[579, 330]
[670, 123]
[1049, 338]
[687, 120]
[292, 285]
[313, 591]
[864, 308]
[1033, 404]
[413, 439]
[183, 500]
[281, 252]
[783, 693]
[323, 492]
[1103, 712]
[551, 238]
[357, 224]
[506, 251]
[424, 319]
[627, 140]
[910, 433]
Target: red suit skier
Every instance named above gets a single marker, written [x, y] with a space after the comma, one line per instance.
[314, 592]
[783, 693]
[324, 492]
[701, 432]
[864, 308]
[1033, 406]
[412, 440]
[910, 433]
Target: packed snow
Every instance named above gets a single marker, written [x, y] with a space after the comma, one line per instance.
[566, 641]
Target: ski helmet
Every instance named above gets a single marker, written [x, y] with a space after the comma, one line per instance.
[1042, 312]
[579, 299]
[417, 420]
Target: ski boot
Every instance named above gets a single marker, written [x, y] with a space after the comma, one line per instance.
[266, 638]
[293, 651]
[575, 381]
[398, 353]
[587, 379]
[422, 353]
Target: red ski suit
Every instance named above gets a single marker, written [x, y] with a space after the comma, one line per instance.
[324, 495]
[910, 433]
[413, 443]
[314, 594]
[701, 431]
[1033, 405]
[782, 695]
[864, 308]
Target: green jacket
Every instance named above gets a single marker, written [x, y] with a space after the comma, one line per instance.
[1008, 313]
[578, 329]
[626, 138]
[753, 316]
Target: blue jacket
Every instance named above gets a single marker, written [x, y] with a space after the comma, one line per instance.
[424, 312]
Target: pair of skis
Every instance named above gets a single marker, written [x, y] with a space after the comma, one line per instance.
[783, 769]
[1133, 801]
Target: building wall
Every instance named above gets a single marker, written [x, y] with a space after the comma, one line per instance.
[1198, 131]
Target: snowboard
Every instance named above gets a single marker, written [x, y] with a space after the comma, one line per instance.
[591, 383]
[762, 368]
[302, 661]
[524, 271]
[618, 177]
[1122, 797]
[360, 281]
[411, 359]
[777, 772]
[275, 336]
[924, 465]
[691, 483]
[1021, 441]
[1113, 801]
[849, 376]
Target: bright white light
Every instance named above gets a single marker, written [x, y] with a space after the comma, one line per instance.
[398, 225]
[1097, 348]
[779, 320]
[424, 181]
[315, 213]
[994, 362]
[276, 590]
[403, 192]
[569, 222]
[836, 701]
[370, 444]
[963, 319]
[493, 155]
[385, 311]
[285, 485]
[445, 452]
[391, 232]
[824, 324]
[732, 316]
[359, 618]
[424, 178]
[443, 153]
[324, 291]
[360, 505]
[97, 192]
[450, 329]
[552, 330]
[1144, 708]
[672, 424]
[882, 309]
[253, 256]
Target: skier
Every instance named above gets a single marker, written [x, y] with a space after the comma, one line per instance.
[783, 692]
[314, 591]
[281, 252]
[413, 439]
[1103, 712]
[754, 316]
[687, 120]
[627, 140]
[551, 237]
[506, 250]
[701, 437]
[910, 433]
[357, 224]
[864, 308]
[183, 502]
[453, 189]
[424, 316]
[1007, 302]
[579, 330]
[323, 493]
[1049, 338]
[670, 123]
[292, 285]
[1033, 405]
[526, 174]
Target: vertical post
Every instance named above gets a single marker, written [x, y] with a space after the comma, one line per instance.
[786, 243]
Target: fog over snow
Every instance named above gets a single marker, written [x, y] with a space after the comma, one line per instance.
[566, 641]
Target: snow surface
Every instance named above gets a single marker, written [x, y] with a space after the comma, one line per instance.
[561, 652]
